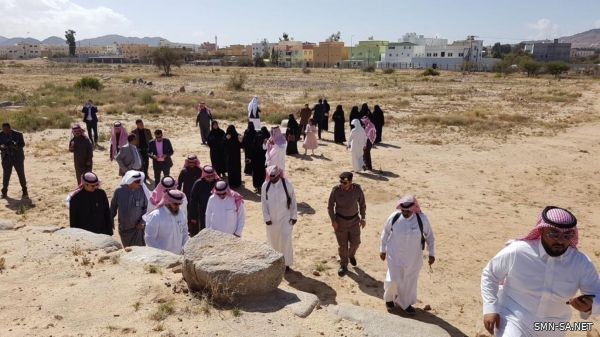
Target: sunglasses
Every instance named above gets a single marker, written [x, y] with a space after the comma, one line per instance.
[563, 236]
[407, 204]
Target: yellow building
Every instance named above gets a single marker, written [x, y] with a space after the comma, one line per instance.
[136, 52]
[308, 53]
[329, 54]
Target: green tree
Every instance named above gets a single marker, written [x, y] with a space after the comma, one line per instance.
[274, 57]
[557, 68]
[265, 46]
[530, 66]
[165, 57]
[70, 36]
[285, 36]
[334, 37]
[499, 50]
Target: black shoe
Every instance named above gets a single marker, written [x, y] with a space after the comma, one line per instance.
[288, 269]
[389, 305]
[410, 310]
[352, 261]
[342, 271]
[4, 196]
[25, 196]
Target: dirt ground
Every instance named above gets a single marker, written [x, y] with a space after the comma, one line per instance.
[480, 176]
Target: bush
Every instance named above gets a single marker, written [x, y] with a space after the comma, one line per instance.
[153, 108]
[531, 67]
[557, 68]
[146, 97]
[31, 119]
[89, 83]
[237, 80]
[431, 72]
[305, 70]
[369, 69]
[388, 71]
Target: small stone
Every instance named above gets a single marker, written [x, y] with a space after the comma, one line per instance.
[427, 307]
[128, 249]
[182, 89]
[316, 273]
[88, 274]
[58, 317]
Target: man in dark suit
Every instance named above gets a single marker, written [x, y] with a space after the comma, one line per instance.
[11, 145]
[160, 150]
[143, 138]
[90, 117]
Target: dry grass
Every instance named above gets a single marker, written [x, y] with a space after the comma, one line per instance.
[152, 269]
[2, 264]
[163, 311]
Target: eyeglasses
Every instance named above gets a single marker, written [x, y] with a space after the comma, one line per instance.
[567, 236]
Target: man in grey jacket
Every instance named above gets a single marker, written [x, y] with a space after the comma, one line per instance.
[128, 157]
[130, 202]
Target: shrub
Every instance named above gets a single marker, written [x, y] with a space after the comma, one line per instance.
[369, 69]
[31, 119]
[89, 83]
[163, 311]
[531, 67]
[388, 71]
[154, 109]
[237, 80]
[305, 70]
[146, 97]
[557, 68]
[431, 72]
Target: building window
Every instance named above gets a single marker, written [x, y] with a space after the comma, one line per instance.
[442, 54]
[449, 54]
[428, 54]
[434, 54]
[461, 54]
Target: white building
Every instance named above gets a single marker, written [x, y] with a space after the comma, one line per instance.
[259, 49]
[21, 50]
[397, 53]
[423, 41]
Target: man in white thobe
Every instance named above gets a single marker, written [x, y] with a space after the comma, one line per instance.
[275, 146]
[225, 210]
[356, 143]
[166, 226]
[280, 212]
[535, 279]
[402, 240]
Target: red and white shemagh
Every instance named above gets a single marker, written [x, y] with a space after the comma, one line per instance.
[166, 183]
[192, 161]
[172, 197]
[209, 171]
[409, 199]
[556, 215]
[223, 187]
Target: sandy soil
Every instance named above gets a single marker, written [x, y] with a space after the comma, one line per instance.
[477, 190]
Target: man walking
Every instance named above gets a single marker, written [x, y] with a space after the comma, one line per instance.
[160, 150]
[203, 121]
[402, 240]
[304, 116]
[346, 202]
[166, 226]
[280, 212]
[130, 201]
[90, 118]
[11, 147]
[88, 206]
[225, 210]
[143, 137]
[201, 192]
[534, 280]
[128, 157]
[83, 152]
[318, 115]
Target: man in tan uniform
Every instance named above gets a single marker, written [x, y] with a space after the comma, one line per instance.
[346, 203]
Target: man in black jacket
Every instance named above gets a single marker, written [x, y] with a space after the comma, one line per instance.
[90, 117]
[318, 115]
[11, 146]
[201, 191]
[160, 150]
[88, 207]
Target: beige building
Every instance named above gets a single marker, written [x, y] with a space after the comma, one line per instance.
[136, 52]
[329, 54]
[90, 50]
[308, 53]
[20, 51]
[289, 53]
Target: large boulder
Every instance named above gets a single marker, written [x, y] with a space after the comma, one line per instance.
[151, 256]
[228, 266]
[89, 241]
[9, 225]
[382, 324]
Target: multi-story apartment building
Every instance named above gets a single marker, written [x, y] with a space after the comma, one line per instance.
[329, 54]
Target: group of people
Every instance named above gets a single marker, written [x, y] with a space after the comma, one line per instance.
[533, 279]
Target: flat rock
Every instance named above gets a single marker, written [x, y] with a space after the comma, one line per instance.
[381, 324]
[152, 256]
[9, 225]
[88, 240]
[308, 302]
[228, 266]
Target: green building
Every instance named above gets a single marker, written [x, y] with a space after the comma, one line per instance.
[369, 52]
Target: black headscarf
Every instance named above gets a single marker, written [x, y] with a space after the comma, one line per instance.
[232, 131]
[292, 123]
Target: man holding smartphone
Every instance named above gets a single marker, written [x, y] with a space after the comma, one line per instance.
[531, 279]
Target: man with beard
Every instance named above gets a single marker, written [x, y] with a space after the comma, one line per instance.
[201, 191]
[166, 226]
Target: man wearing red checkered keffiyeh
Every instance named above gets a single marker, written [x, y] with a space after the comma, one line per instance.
[532, 278]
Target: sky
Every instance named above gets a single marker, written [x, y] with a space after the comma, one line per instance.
[245, 22]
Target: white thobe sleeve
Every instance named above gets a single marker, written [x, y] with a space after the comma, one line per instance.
[186, 234]
[429, 237]
[385, 234]
[209, 212]
[263, 202]
[293, 205]
[589, 284]
[491, 277]
[151, 230]
[241, 217]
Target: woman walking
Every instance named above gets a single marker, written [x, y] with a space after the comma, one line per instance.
[247, 144]
[215, 140]
[292, 134]
[233, 145]
[339, 135]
